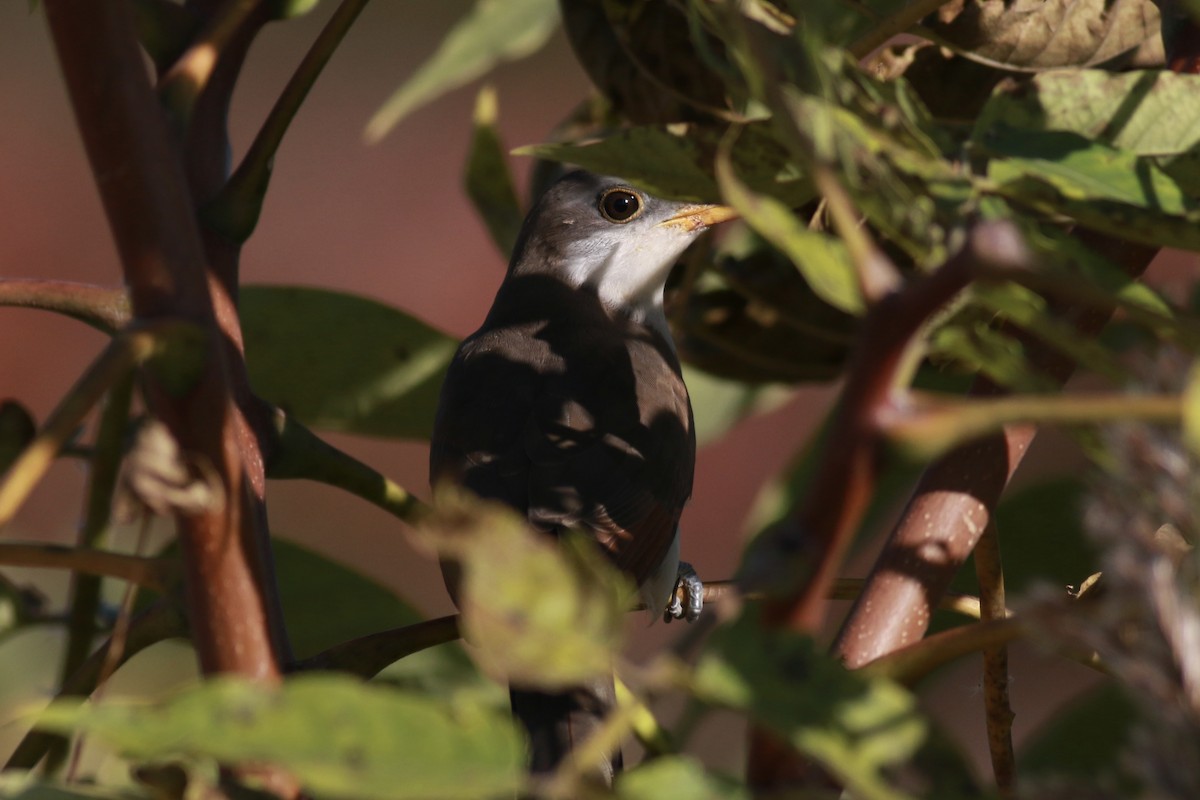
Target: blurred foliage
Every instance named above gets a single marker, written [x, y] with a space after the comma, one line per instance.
[754, 103]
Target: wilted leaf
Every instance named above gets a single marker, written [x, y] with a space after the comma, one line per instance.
[338, 736]
[1041, 34]
[677, 161]
[822, 259]
[488, 181]
[342, 362]
[679, 778]
[540, 611]
[494, 32]
[852, 724]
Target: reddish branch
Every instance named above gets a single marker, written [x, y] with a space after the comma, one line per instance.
[953, 503]
[140, 175]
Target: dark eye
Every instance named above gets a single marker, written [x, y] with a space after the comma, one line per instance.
[620, 205]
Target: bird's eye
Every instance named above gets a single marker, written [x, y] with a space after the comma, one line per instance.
[620, 205]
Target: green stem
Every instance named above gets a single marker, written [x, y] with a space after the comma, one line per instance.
[235, 211]
[106, 465]
[298, 453]
[926, 432]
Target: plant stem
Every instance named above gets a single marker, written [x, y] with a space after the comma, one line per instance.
[105, 309]
[153, 573]
[115, 362]
[999, 714]
[236, 209]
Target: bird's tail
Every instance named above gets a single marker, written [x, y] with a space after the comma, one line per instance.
[559, 722]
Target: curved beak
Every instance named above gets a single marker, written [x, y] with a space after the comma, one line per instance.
[698, 217]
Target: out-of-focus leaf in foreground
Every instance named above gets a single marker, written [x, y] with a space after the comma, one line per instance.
[853, 724]
[540, 611]
[340, 737]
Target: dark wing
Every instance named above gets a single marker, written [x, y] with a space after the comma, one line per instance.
[596, 434]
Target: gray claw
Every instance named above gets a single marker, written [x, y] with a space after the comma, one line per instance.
[693, 592]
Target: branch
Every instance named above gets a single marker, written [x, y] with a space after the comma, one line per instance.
[298, 453]
[896, 23]
[105, 309]
[933, 426]
[159, 574]
[953, 502]
[797, 565]
[990, 571]
[186, 79]
[141, 180]
[117, 359]
[236, 210]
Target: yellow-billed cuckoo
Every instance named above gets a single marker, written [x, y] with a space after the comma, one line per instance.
[568, 403]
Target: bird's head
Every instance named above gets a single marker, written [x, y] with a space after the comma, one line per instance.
[601, 233]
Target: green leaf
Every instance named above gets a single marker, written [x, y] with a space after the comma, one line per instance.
[1084, 739]
[679, 778]
[488, 181]
[325, 603]
[494, 32]
[28, 786]
[1150, 113]
[342, 362]
[1102, 188]
[822, 259]
[676, 161]
[338, 736]
[539, 611]
[853, 724]
[1041, 539]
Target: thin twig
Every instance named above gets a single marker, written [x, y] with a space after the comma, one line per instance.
[877, 275]
[104, 308]
[120, 637]
[893, 25]
[157, 574]
[235, 211]
[990, 571]
[115, 362]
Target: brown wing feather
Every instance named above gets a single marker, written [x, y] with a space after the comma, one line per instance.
[595, 433]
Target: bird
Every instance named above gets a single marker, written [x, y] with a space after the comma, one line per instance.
[568, 404]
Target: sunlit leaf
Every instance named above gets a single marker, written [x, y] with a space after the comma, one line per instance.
[1040, 34]
[494, 32]
[344, 363]
[540, 611]
[488, 181]
[1102, 188]
[338, 736]
[852, 724]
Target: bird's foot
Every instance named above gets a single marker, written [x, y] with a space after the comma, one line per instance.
[692, 603]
